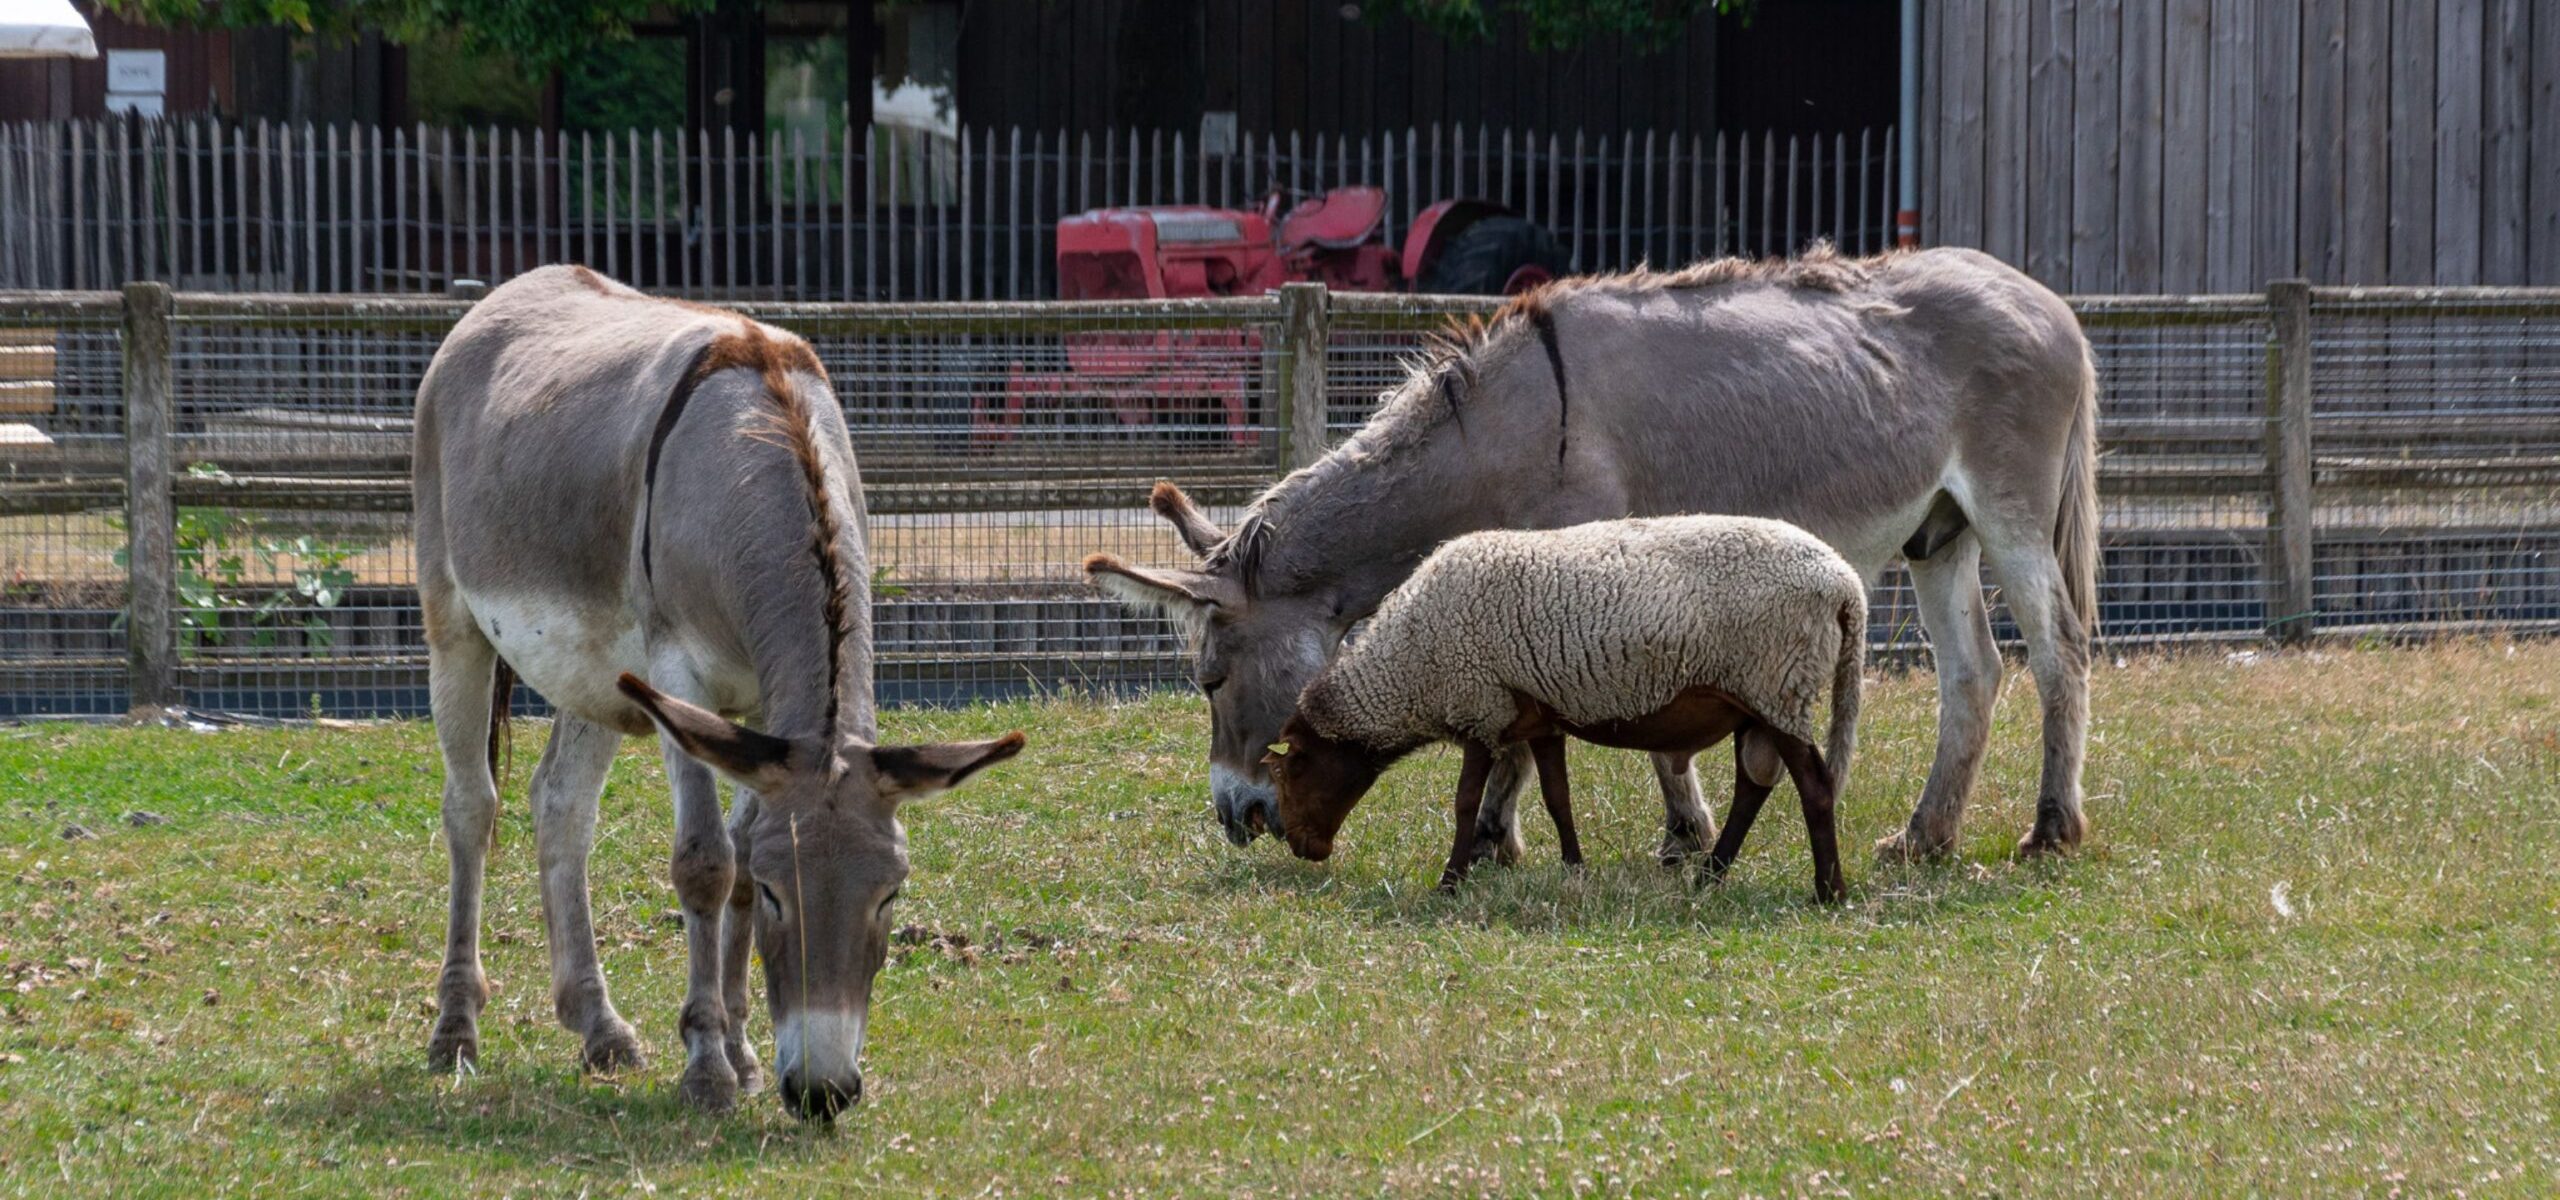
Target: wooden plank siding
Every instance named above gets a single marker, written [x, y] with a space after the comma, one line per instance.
[2131, 146]
[2506, 114]
[2051, 52]
[1324, 67]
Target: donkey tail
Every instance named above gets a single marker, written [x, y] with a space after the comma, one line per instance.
[2075, 526]
[502, 692]
[1847, 678]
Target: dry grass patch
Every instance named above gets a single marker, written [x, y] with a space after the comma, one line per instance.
[2309, 952]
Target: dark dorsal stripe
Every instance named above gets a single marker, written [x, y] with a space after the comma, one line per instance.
[1546, 325]
[667, 418]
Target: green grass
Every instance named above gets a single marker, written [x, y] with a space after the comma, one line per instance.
[238, 1000]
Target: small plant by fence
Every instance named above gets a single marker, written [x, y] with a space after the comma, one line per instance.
[882, 214]
[205, 497]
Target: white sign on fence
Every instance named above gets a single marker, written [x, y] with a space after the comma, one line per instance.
[135, 72]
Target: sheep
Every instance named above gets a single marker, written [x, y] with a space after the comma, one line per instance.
[1663, 634]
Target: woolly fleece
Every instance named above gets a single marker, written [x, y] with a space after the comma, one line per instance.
[1604, 621]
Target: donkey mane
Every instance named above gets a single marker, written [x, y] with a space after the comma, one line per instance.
[787, 427]
[1442, 378]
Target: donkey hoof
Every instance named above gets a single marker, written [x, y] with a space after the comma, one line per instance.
[742, 1060]
[452, 1049]
[1905, 847]
[1680, 849]
[709, 1085]
[2057, 831]
[1501, 852]
[615, 1049]
[2044, 843]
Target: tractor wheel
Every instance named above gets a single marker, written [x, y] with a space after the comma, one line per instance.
[1496, 256]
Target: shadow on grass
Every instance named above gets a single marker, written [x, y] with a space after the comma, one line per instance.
[1773, 891]
[538, 1114]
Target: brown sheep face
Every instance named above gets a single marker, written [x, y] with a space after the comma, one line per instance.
[1320, 780]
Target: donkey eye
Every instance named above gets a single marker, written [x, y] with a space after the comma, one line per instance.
[772, 903]
[891, 898]
[1210, 687]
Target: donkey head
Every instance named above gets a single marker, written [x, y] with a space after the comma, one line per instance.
[824, 856]
[1253, 652]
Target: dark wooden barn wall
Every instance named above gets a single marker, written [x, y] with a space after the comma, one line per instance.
[1301, 65]
[2212, 145]
[199, 73]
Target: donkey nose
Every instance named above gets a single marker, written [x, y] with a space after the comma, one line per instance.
[820, 1099]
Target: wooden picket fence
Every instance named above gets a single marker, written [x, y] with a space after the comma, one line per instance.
[889, 213]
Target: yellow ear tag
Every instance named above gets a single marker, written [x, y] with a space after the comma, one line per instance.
[1280, 749]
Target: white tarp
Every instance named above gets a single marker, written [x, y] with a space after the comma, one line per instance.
[44, 29]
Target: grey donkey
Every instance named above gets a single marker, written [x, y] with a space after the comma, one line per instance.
[612, 488]
[1936, 404]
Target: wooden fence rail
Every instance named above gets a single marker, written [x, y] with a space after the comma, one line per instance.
[885, 213]
[2274, 465]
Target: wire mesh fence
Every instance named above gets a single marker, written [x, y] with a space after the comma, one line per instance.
[885, 213]
[1001, 443]
[61, 512]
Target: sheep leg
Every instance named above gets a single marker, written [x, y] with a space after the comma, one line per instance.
[1472, 771]
[1815, 788]
[1557, 791]
[1749, 790]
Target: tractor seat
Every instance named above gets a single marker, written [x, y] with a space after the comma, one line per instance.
[1337, 220]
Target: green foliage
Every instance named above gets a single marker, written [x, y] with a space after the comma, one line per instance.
[541, 35]
[215, 550]
[1558, 24]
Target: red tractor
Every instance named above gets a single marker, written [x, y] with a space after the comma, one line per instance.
[1180, 251]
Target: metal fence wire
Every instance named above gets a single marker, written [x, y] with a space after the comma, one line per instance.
[1001, 443]
[883, 213]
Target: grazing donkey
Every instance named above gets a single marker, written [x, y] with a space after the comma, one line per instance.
[611, 486]
[1937, 404]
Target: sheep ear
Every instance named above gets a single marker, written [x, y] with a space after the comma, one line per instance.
[1183, 597]
[1196, 531]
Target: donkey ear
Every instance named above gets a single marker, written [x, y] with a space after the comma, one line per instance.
[753, 759]
[1197, 531]
[1184, 597]
[914, 772]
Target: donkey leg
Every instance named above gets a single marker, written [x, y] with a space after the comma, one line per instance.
[461, 669]
[1687, 824]
[1755, 775]
[704, 869]
[2058, 656]
[737, 936]
[566, 785]
[1497, 827]
[1949, 586]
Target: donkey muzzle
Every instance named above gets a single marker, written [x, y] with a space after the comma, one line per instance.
[819, 1099]
[1246, 809]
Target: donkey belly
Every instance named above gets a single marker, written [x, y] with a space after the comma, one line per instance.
[570, 653]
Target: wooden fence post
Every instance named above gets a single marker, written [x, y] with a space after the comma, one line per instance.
[1303, 326]
[2289, 465]
[150, 510]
